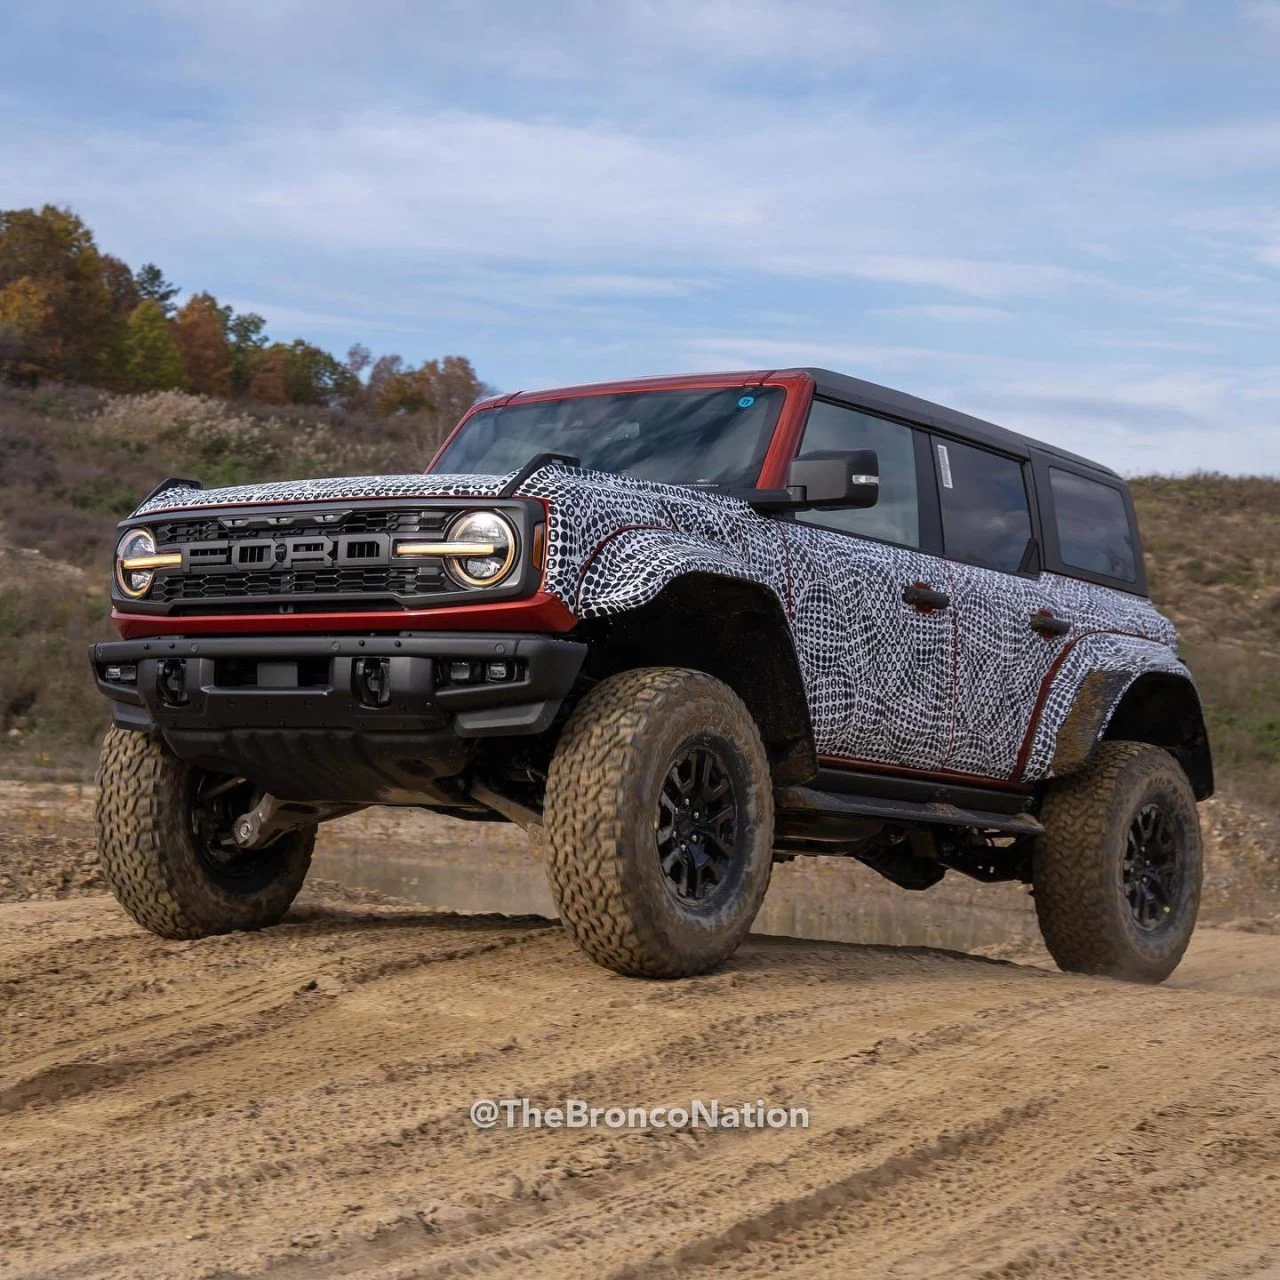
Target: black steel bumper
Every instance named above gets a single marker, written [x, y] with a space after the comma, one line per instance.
[337, 717]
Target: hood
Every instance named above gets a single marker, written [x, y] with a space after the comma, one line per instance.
[551, 483]
[586, 513]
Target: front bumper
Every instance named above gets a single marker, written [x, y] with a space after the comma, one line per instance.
[337, 717]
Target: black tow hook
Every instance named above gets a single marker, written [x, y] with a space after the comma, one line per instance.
[372, 680]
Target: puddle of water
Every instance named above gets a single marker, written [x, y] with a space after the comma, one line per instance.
[504, 887]
[823, 899]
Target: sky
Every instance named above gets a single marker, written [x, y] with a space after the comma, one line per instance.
[1062, 215]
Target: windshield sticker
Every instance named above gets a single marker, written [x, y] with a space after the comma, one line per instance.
[944, 466]
[746, 402]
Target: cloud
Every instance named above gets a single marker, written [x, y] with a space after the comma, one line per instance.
[1136, 418]
[1265, 14]
[1165, 8]
[1238, 146]
[588, 190]
[949, 312]
[1142, 420]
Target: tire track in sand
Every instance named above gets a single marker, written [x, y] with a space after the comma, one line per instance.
[967, 1117]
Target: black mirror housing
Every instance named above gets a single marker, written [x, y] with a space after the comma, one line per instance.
[831, 478]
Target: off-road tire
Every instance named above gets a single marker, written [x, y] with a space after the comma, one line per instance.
[1078, 864]
[149, 856]
[601, 799]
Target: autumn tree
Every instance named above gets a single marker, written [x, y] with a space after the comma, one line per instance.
[25, 312]
[117, 279]
[247, 335]
[445, 389]
[14, 368]
[68, 310]
[153, 361]
[455, 387]
[199, 330]
[299, 373]
[266, 375]
[316, 376]
[383, 371]
[359, 358]
[50, 256]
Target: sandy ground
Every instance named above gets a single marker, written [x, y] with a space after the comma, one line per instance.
[295, 1102]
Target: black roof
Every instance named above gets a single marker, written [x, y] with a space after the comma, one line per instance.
[897, 404]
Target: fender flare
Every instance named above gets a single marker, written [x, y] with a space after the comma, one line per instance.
[1161, 707]
[634, 564]
[683, 601]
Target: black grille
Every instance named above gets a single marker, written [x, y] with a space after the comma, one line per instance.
[299, 582]
[428, 520]
[395, 522]
[298, 558]
[202, 531]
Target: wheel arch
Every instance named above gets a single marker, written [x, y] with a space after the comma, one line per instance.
[734, 629]
[1161, 708]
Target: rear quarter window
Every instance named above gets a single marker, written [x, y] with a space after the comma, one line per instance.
[1094, 534]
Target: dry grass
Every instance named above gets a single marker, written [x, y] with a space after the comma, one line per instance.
[75, 461]
[72, 461]
[1213, 557]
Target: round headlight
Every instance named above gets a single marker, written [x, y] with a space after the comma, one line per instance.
[135, 582]
[496, 547]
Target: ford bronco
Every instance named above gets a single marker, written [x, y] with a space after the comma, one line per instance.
[684, 627]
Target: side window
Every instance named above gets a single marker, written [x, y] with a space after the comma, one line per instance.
[985, 516]
[896, 516]
[1093, 526]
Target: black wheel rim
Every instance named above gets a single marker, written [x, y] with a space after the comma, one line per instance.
[697, 827]
[1152, 868]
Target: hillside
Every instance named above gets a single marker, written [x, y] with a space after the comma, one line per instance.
[1213, 556]
[72, 462]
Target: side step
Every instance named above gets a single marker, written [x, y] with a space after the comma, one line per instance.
[806, 802]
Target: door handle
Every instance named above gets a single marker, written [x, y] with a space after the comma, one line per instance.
[1045, 622]
[925, 598]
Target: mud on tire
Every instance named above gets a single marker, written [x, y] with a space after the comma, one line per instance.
[628, 885]
[155, 861]
[1104, 905]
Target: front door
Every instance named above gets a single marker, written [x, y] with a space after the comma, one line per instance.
[869, 607]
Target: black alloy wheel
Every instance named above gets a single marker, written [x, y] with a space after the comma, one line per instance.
[1117, 873]
[697, 826]
[659, 822]
[1152, 868]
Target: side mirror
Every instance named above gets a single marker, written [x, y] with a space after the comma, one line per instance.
[830, 478]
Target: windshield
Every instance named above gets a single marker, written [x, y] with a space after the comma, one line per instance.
[715, 437]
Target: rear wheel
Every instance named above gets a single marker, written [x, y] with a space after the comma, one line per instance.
[1117, 874]
[164, 839]
[659, 819]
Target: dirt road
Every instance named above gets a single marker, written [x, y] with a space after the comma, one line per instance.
[296, 1102]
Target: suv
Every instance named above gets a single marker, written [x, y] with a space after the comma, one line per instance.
[684, 627]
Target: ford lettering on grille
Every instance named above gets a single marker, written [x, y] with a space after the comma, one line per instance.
[298, 555]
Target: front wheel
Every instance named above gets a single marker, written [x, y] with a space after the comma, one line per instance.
[1117, 873]
[164, 840]
[659, 820]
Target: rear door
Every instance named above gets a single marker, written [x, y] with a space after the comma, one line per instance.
[878, 667]
[1004, 646]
